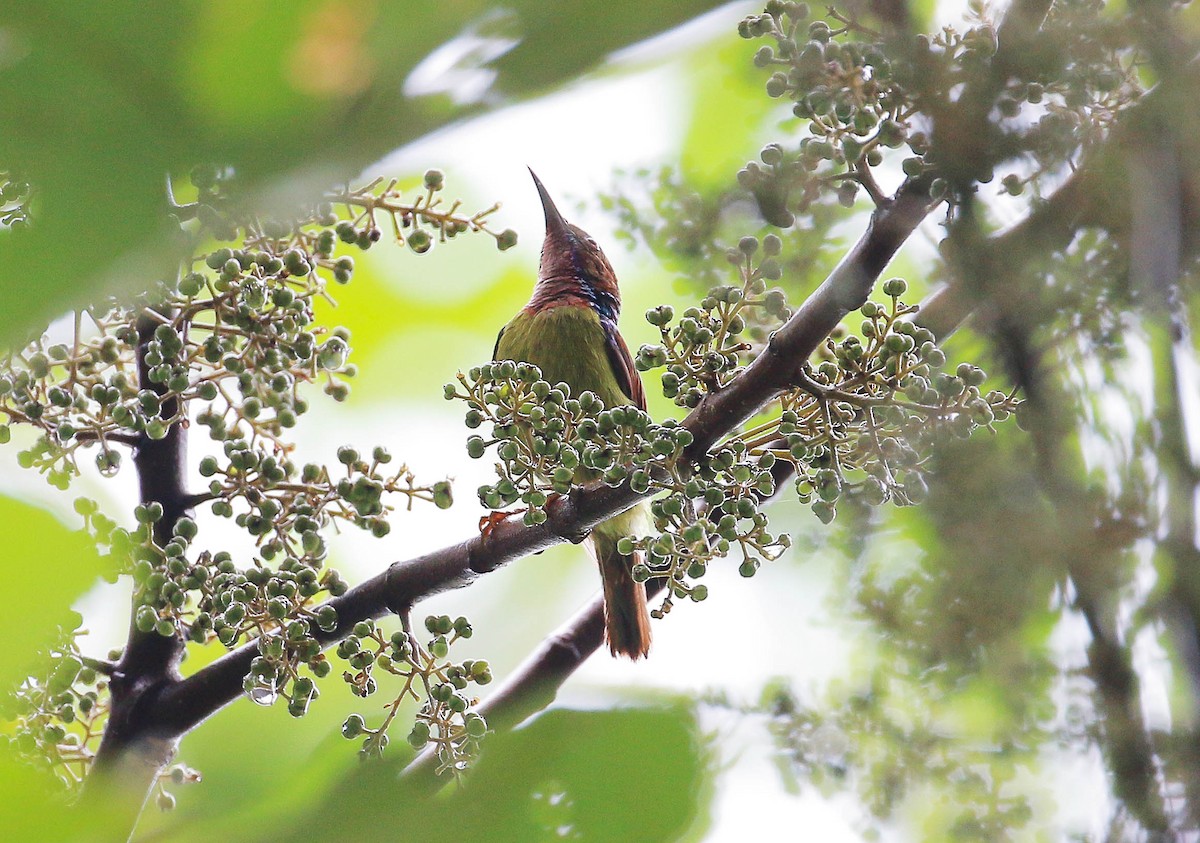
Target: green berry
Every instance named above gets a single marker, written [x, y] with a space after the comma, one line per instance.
[419, 241]
[506, 239]
[353, 727]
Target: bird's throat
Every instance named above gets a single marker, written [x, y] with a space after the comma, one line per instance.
[574, 291]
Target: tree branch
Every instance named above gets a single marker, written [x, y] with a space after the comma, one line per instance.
[130, 757]
[1155, 260]
[99, 665]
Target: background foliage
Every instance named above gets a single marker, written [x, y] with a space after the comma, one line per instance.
[964, 691]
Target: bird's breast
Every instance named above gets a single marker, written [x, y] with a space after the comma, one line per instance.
[568, 343]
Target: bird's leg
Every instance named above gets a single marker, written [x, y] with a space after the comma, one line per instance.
[573, 534]
[489, 522]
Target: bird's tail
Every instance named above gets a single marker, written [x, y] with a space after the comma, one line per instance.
[626, 619]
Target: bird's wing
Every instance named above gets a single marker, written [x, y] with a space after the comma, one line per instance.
[622, 365]
[496, 348]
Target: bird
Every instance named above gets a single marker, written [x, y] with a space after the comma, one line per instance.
[569, 331]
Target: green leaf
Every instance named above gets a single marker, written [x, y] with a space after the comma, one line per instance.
[34, 808]
[49, 566]
[616, 775]
[105, 100]
[639, 774]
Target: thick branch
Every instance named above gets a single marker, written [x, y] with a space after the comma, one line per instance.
[130, 757]
[1156, 257]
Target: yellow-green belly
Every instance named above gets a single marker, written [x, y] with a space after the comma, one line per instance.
[568, 344]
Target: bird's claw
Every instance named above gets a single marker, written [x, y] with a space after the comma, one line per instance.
[490, 521]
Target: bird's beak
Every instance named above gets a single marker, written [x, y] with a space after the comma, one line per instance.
[556, 226]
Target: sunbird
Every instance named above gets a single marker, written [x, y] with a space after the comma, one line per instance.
[569, 331]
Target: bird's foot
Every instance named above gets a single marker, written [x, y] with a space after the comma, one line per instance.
[489, 522]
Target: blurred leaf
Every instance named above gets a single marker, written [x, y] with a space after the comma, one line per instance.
[589, 775]
[618, 775]
[730, 113]
[113, 97]
[261, 766]
[49, 566]
[33, 808]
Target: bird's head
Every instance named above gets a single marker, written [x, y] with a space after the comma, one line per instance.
[570, 255]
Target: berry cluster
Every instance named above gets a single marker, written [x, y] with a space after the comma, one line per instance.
[419, 223]
[865, 93]
[711, 509]
[446, 717]
[547, 439]
[865, 420]
[230, 346]
[842, 81]
[707, 347]
[59, 714]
